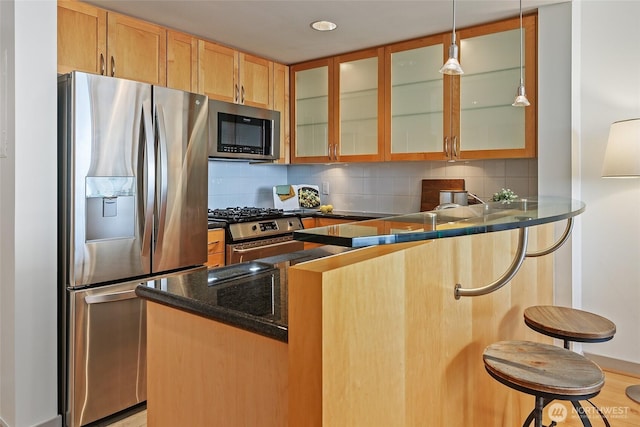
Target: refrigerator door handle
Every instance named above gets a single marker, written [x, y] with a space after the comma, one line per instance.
[149, 183]
[115, 296]
[163, 175]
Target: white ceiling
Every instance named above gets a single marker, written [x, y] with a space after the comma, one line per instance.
[280, 30]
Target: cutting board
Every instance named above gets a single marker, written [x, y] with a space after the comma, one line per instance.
[430, 196]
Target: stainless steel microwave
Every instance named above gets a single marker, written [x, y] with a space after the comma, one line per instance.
[242, 132]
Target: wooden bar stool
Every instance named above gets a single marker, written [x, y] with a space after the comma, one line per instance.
[545, 371]
[569, 324]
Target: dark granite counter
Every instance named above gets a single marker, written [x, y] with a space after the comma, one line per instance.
[251, 295]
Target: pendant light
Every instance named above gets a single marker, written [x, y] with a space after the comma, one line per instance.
[452, 66]
[521, 96]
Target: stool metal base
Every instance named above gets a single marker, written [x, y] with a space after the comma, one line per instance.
[541, 403]
[633, 393]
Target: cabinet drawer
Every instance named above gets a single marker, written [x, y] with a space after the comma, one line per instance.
[309, 222]
[215, 260]
[215, 240]
[323, 222]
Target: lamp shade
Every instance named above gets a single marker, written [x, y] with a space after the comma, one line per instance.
[622, 158]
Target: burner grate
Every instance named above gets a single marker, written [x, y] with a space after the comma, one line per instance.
[242, 214]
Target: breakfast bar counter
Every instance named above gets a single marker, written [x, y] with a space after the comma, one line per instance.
[383, 335]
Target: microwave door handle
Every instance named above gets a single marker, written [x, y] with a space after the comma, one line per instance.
[163, 175]
[148, 163]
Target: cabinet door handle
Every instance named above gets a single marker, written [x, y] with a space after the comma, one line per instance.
[445, 146]
[102, 65]
[237, 93]
[242, 99]
[113, 67]
[335, 152]
[455, 147]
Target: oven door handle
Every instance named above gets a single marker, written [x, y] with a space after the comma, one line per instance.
[116, 296]
[269, 245]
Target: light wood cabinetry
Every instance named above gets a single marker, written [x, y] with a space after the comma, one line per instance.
[228, 75]
[281, 104]
[215, 248]
[182, 61]
[206, 373]
[435, 117]
[82, 38]
[137, 50]
[346, 109]
[338, 107]
[488, 126]
[415, 94]
[363, 327]
[101, 42]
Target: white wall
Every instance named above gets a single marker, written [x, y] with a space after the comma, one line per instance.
[609, 90]
[28, 319]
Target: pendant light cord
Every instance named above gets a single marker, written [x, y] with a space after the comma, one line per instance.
[521, 78]
[454, 21]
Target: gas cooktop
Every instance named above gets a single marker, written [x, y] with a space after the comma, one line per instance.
[245, 214]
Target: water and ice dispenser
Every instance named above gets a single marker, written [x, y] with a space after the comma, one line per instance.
[111, 207]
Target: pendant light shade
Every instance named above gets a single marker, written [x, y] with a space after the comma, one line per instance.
[452, 66]
[521, 96]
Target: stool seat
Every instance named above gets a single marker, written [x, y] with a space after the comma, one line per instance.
[569, 324]
[543, 370]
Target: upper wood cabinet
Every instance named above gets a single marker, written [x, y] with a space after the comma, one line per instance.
[137, 50]
[337, 108]
[182, 61]
[434, 117]
[82, 38]
[97, 41]
[281, 104]
[487, 125]
[311, 114]
[415, 93]
[228, 75]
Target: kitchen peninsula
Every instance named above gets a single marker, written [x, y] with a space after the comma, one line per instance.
[384, 335]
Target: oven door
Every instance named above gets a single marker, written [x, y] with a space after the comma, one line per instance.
[249, 251]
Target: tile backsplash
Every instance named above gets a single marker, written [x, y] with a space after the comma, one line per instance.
[389, 187]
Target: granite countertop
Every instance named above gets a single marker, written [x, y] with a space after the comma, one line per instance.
[251, 295]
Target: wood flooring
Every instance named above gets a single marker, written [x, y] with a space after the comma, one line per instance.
[620, 410]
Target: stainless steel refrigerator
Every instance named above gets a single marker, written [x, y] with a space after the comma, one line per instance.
[132, 207]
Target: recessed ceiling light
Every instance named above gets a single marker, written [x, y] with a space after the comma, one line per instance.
[323, 26]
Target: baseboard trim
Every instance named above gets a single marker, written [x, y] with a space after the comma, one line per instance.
[617, 365]
[54, 422]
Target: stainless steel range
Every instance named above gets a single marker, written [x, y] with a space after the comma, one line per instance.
[253, 233]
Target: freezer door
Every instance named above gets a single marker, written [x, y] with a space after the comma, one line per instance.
[107, 352]
[105, 197]
[180, 213]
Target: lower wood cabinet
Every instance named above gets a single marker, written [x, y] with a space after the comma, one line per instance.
[215, 248]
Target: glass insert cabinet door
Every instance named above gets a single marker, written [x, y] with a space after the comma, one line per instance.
[491, 63]
[338, 108]
[360, 105]
[416, 91]
[311, 111]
